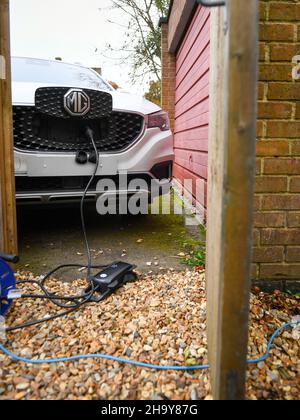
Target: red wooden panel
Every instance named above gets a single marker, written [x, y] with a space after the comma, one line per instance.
[191, 35]
[194, 120]
[193, 117]
[199, 171]
[192, 105]
[194, 32]
[201, 146]
[194, 94]
[196, 135]
[194, 74]
[193, 159]
[201, 192]
[195, 139]
[195, 54]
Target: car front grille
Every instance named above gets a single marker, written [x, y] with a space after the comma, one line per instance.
[48, 101]
[38, 132]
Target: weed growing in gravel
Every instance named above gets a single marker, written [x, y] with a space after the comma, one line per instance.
[196, 259]
[196, 250]
[294, 295]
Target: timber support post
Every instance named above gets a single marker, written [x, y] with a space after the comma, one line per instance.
[234, 63]
[8, 225]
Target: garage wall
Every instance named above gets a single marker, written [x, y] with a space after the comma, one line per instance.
[192, 104]
[185, 96]
[185, 93]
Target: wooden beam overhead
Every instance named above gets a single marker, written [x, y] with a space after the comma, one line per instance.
[8, 225]
[181, 13]
[234, 62]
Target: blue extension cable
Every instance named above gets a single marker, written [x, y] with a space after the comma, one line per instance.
[140, 364]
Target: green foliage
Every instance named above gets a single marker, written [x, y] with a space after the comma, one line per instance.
[196, 250]
[143, 36]
[154, 93]
[196, 258]
[294, 295]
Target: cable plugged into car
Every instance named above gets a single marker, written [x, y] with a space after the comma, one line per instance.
[81, 157]
[101, 286]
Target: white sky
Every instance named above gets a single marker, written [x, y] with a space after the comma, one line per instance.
[73, 30]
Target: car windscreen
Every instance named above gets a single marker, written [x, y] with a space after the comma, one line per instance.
[56, 73]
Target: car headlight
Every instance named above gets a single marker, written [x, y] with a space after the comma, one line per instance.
[159, 120]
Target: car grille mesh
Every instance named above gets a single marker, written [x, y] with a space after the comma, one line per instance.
[49, 101]
[37, 132]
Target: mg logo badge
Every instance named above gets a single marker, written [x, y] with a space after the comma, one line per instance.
[77, 103]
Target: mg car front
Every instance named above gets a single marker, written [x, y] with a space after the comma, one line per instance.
[53, 103]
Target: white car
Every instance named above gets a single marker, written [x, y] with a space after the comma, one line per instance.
[53, 103]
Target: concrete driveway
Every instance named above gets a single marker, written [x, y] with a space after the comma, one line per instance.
[52, 235]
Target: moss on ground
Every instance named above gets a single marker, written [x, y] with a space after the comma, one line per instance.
[50, 236]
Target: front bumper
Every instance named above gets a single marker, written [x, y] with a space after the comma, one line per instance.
[154, 148]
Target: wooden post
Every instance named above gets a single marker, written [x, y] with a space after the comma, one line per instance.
[234, 58]
[8, 229]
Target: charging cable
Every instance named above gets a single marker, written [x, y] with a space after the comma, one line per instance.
[141, 364]
[70, 303]
[85, 298]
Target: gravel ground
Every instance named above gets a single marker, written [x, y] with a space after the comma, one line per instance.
[160, 319]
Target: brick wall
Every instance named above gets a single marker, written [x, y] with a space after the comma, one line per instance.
[277, 199]
[168, 75]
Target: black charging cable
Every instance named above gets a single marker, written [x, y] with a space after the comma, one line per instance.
[90, 135]
[80, 300]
